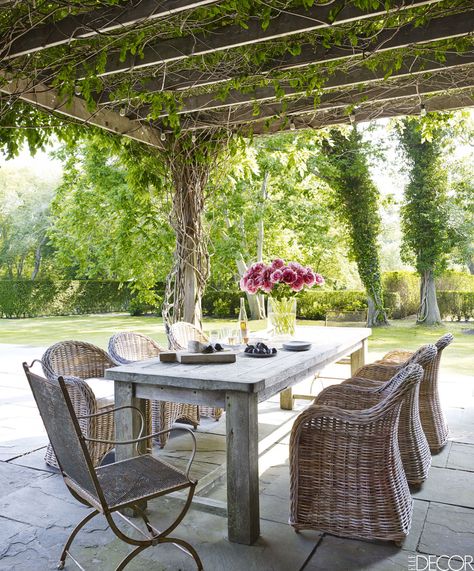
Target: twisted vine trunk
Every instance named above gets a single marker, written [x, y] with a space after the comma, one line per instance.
[186, 282]
[428, 313]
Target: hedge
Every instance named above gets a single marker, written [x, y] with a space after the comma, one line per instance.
[24, 298]
[456, 305]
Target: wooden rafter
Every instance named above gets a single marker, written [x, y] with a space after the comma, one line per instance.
[46, 98]
[398, 108]
[438, 29]
[339, 79]
[96, 22]
[234, 36]
[373, 95]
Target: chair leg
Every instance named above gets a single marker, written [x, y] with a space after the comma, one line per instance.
[130, 556]
[74, 532]
[185, 546]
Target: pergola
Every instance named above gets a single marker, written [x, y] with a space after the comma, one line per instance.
[161, 71]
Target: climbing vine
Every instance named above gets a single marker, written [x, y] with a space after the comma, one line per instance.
[344, 166]
[427, 238]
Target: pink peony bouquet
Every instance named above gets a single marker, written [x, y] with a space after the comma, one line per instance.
[279, 279]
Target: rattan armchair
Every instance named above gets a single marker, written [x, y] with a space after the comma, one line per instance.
[178, 336]
[84, 364]
[359, 393]
[346, 473]
[126, 347]
[113, 487]
[431, 414]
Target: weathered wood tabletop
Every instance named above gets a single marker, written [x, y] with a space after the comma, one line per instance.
[238, 387]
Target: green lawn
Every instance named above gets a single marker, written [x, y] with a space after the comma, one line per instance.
[98, 328]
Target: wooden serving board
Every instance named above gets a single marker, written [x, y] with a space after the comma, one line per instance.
[196, 358]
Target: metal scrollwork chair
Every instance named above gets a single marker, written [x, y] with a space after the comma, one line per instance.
[126, 347]
[178, 336]
[346, 473]
[109, 488]
[360, 393]
[84, 364]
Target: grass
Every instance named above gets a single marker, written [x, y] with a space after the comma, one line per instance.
[44, 331]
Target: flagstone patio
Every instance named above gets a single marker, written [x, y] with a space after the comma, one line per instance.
[37, 512]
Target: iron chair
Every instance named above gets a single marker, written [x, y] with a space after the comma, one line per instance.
[346, 474]
[113, 487]
[126, 347]
[358, 393]
[178, 336]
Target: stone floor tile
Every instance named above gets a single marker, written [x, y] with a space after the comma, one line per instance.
[18, 446]
[448, 486]
[461, 424]
[461, 457]
[339, 554]
[441, 458]
[420, 510]
[14, 478]
[35, 460]
[448, 530]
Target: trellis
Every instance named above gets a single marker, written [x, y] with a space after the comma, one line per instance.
[156, 71]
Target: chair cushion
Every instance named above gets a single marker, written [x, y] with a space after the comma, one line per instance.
[138, 478]
[103, 390]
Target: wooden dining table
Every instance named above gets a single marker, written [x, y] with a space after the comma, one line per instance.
[238, 387]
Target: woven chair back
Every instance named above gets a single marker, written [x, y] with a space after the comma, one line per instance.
[182, 332]
[63, 430]
[400, 385]
[423, 357]
[76, 359]
[126, 347]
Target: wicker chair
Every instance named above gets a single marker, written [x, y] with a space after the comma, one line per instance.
[84, 364]
[346, 473]
[431, 414]
[114, 487]
[178, 336]
[357, 393]
[126, 347]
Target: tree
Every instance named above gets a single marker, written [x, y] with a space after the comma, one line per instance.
[110, 216]
[25, 200]
[427, 239]
[344, 166]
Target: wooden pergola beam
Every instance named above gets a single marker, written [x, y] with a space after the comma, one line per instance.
[340, 79]
[438, 29]
[234, 36]
[409, 106]
[329, 101]
[99, 21]
[47, 98]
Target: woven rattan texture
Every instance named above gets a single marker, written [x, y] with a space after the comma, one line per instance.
[126, 347]
[178, 336]
[79, 361]
[431, 413]
[359, 393]
[346, 473]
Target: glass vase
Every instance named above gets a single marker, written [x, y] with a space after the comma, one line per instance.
[282, 318]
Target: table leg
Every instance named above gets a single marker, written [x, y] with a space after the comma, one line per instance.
[127, 427]
[359, 358]
[286, 399]
[243, 509]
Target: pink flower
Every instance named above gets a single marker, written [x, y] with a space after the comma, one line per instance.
[309, 277]
[289, 276]
[295, 266]
[276, 276]
[267, 286]
[277, 264]
[298, 284]
[319, 279]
